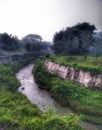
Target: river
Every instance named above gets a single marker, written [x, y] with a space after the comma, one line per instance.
[41, 97]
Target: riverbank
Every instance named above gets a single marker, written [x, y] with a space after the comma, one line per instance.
[87, 103]
[16, 111]
[35, 95]
[83, 78]
[90, 63]
[42, 98]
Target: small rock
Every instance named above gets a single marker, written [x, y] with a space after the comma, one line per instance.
[23, 88]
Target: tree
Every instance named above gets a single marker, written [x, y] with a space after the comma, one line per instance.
[34, 43]
[73, 40]
[9, 42]
[97, 44]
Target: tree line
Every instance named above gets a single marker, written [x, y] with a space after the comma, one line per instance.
[29, 43]
[76, 40]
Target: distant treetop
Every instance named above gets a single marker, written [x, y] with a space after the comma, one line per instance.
[33, 37]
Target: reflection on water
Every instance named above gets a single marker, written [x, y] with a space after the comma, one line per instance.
[41, 97]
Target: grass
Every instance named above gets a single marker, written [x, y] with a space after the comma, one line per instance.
[89, 64]
[8, 53]
[87, 103]
[17, 113]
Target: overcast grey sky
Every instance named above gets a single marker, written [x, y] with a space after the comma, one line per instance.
[45, 17]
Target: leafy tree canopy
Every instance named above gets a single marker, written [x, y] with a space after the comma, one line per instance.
[9, 42]
[73, 40]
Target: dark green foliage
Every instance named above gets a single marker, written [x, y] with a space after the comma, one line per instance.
[9, 42]
[7, 74]
[95, 119]
[34, 43]
[65, 123]
[96, 47]
[42, 73]
[17, 113]
[73, 40]
[81, 99]
[7, 78]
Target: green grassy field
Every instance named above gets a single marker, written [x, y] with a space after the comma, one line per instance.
[90, 64]
[87, 103]
[17, 113]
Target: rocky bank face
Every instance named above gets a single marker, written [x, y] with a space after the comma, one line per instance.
[84, 78]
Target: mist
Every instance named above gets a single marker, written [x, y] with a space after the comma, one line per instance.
[91, 11]
[45, 17]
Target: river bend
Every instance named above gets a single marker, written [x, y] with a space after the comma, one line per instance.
[41, 97]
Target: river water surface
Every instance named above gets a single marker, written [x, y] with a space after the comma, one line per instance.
[41, 97]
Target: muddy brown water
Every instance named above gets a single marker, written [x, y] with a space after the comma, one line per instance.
[41, 97]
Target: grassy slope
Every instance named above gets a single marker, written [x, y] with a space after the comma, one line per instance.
[90, 64]
[16, 112]
[88, 103]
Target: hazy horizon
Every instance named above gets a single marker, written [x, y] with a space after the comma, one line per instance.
[45, 17]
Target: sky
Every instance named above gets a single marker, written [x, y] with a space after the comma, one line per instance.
[45, 17]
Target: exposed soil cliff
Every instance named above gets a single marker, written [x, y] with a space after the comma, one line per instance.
[84, 78]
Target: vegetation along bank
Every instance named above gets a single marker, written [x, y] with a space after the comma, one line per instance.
[16, 112]
[86, 102]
